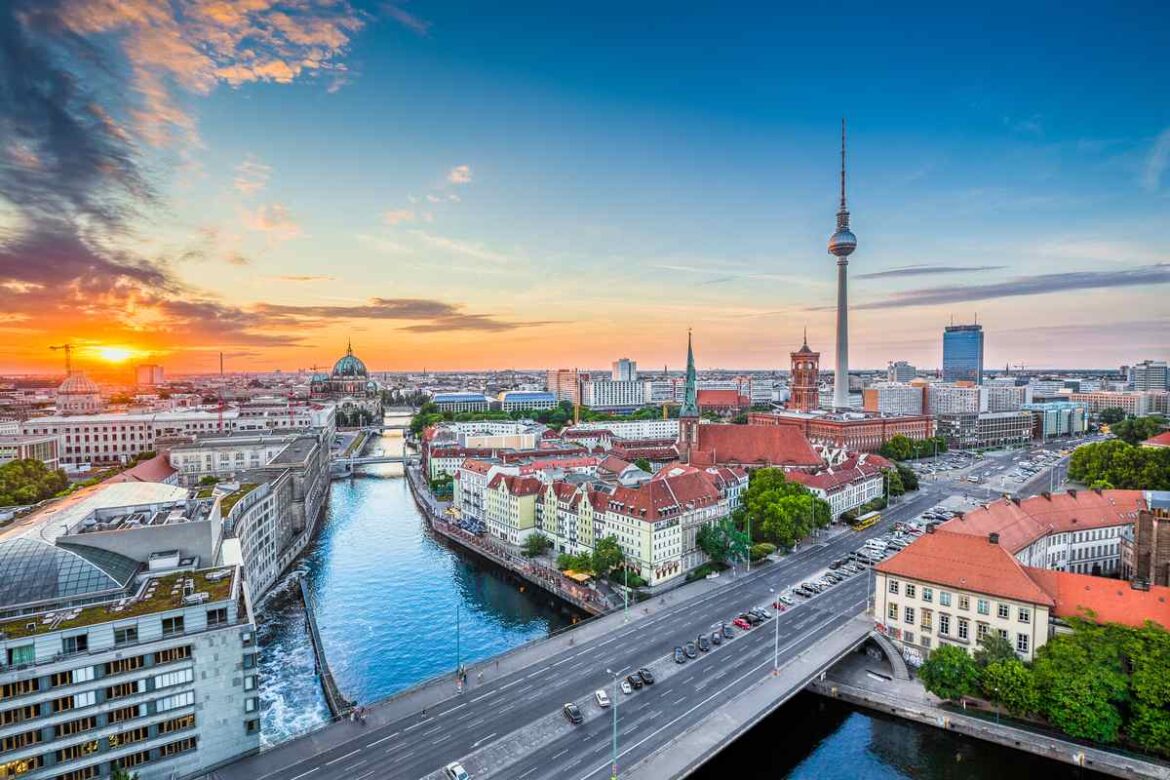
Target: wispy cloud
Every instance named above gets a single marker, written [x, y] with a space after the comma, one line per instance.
[251, 176]
[460, 174]
[407, 19]
[302, 278]
[274, 220]
[468, 248]
[396, 216]
[927, 270]
[1041, 284]
[1157, 161]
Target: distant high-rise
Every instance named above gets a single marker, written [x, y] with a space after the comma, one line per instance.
[805, 395]
[625, 370]
[148, 375]
[565, 384]
[963, 354]
[1149, 375]
[901, 371]
[841, 245]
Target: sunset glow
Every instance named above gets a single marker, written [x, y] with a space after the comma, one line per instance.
[116, 354]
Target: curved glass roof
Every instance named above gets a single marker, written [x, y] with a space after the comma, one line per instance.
[35, 571]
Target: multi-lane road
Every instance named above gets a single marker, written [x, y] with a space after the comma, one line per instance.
[512, 726]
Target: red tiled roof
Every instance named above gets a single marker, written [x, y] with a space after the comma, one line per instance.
[156, 469]
[649, 453]
[720, 398]
[1161, 440]
[614, 464]
[965, 562]
[667, 497]
[847, 472]
[1018, 525]
[517, 486]
[754, 445]
[1110, 601]
[478, 466]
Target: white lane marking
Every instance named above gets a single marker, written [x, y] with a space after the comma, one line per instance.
[364, 775]
[526, 774]
[306, 774]
[448, 712]
[416, 725]
[558, 755]
[485, 739]
[383, 739]
[534, 674]
[680, 700]
[342, 758]
[484, 696]
[509, 685]
[432, 731]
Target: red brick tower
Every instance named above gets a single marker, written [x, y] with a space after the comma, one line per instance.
[805, 379]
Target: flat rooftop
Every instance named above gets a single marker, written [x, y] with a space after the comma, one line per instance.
[130, 518]
[297, 451]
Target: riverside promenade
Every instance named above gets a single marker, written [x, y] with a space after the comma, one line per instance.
[550, 580]
[858, 680]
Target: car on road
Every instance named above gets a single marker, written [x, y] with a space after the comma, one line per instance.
[646, 675]
[786, 597]
[690, 649]
[761, 613]
[573, 713]
[679, 658]
[741, 623]
[727, 632]
[754, 619]
[837, 564]
[716, 637]
[455, 771]
[626, 687]
[703, 642]
[635, 681]
[602, 698]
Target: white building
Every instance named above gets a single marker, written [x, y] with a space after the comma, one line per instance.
[1150, 375]
[517, 400]
[901, 371]
[461, 402]
[636, 429]
[891, 398]
[598, 394]
[625, 370]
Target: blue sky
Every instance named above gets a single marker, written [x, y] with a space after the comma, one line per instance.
[629, 171]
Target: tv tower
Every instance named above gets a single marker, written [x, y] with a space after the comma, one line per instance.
[841, 244]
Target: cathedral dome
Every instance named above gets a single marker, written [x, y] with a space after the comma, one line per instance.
[78, 384]
[349, 365]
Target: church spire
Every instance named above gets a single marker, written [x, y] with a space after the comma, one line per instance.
[690, 404]
[349, 346]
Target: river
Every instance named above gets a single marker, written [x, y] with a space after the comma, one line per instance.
[389, 597]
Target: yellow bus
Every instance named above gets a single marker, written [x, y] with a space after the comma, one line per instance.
[866, 521]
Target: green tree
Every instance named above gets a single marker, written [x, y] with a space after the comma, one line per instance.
[899, 447]
[762, 550]
[607, 555]
[535, 544]
[894, 484]
[644, 464]
[780, 511]
[993, 648]
[950, 673]
[580, 563]
[1082, 682]
[1135, 430]
[1118, 464]
[908, 476]
[1007, 681]
[28, 480]
[1148, 651]
[1111, 415]
[722, 541]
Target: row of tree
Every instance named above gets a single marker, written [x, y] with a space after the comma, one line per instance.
[28, 481]
[1105, 683]
[1116, 464]
[901, 447]
[1135, 430]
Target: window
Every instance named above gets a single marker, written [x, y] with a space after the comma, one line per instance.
[250, 704]
[171, 679]
[892, 612]
[1025, 615]
[19, 714]
[963, 628]
[85, 773]
[74, 644]
[1002, 633]
[124, 665]
[964, 602]
[983, 607]
[944, 624]
[176, 724]
[75, 726]
[172, 625]
[217, 617]
[908, 637]
[928, 594]
[1022, 643]
[944, 598]
[249, 682]
[170, 655]
[125, 635]
[122, 690]
[910, 590]
[18, 656]
[893, 586]
[981, 629]
[252, 726]
[77, 751]
[18, 741]
[182, 746]
[926, 642]
[910, 615]
[185, 699]
[124, 714]
[1005, 612]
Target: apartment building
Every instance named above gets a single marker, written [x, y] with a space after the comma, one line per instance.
[854, 482]
[510, 507]
[636, 429]
[608, 394]
[889, 398]
[1051, 419]
[116, 438]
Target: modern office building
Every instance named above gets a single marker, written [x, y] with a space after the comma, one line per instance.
[1057, 418]
[565, 384]
[901, 371]
[1149, 375]
[462, 402]
[955, 399]
[149, 375]
[893, 398]
[985, 430]
[613, 396]
[1136, 403]
[519, 400]
[43, 447]
[963, 354]
[625, 370]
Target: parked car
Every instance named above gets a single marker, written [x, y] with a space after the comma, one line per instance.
[755, 620]
[626, 687]
[717, 637]
[635, 681]
[602, 698]
[727, 632]
[690, 649]
[787, 598]
[703, 643]
[741, 623]
[646, 675]
[679, 658]
[455, 771]
[573, 713]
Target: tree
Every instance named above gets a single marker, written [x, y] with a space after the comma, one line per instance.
[1135, 430]
[762, 550]
[722, 541]
[644, 464]
[28, 480]
[993, 648]
[1111, 415]
[780, 511]
[1007, 681]
[1148, 652]
[1118, 464]
[535, 544]
[899, 447]
[607, 555]
[1082, 682]
[581, 563]
[894, 486]
[208, 479]
[950, 673]
[908, 476]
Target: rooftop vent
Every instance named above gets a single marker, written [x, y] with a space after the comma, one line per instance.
[993, 537]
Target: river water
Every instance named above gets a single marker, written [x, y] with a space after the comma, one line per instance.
[389, 597]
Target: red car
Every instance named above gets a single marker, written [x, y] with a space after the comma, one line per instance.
[779, 605]
[741, 623]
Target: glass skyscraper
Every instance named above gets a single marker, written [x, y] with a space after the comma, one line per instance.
[963, 354]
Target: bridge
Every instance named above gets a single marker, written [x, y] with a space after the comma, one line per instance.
[507, 722]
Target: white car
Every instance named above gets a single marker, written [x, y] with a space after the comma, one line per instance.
[455, 771]
[626, 688]
[602, 698]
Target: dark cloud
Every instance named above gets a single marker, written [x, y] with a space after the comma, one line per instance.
[1142, 276]
[52, 256]
[432, 315]
[928, 270]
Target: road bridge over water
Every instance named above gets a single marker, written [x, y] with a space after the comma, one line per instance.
[507, 723]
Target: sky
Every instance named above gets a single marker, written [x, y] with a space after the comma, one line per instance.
[533, 185]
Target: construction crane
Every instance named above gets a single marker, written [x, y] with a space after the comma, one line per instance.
[68, 357]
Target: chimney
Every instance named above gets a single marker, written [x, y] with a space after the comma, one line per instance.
[1046, 494]
[1072, 492]
[993, 537]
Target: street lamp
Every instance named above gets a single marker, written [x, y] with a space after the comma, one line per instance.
[613, 772]
[776, 636]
